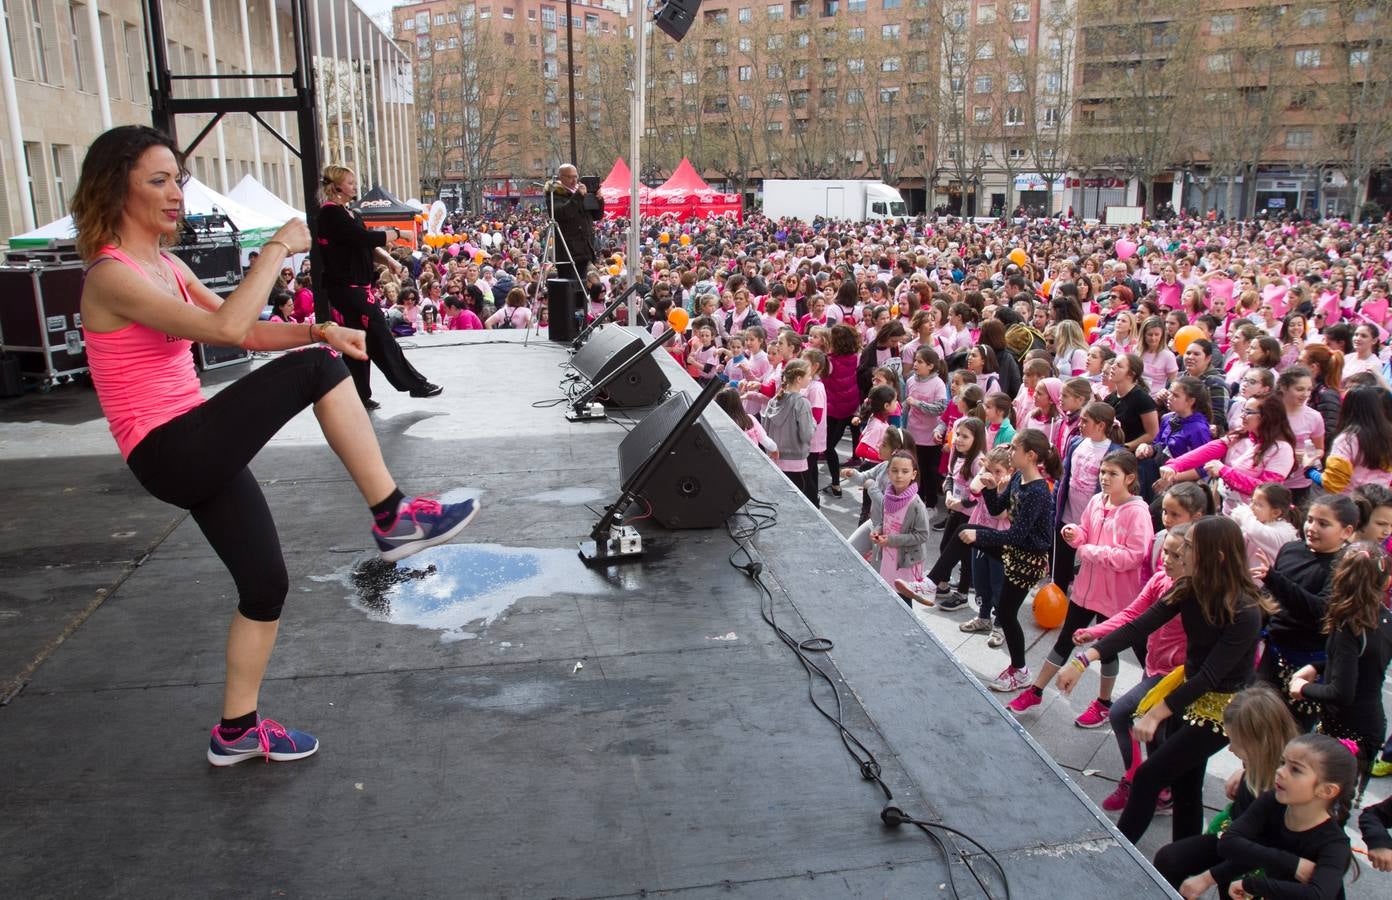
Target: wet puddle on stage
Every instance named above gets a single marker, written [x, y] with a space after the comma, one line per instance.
[459, 589]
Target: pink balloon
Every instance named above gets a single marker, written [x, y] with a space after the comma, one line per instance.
[453, 250]
[1125, 249]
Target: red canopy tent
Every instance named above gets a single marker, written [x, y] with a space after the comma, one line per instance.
[684, 195]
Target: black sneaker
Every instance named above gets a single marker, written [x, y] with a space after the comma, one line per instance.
[832, 489]
[369, 404]
[952, 602]
[427, 390]
[939, 523]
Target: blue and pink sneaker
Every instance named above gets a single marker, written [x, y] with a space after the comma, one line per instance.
[422, 522]
[268, 739]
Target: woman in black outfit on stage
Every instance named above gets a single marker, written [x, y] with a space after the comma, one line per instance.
[346, 250]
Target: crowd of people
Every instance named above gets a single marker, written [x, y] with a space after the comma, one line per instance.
[1184, 426]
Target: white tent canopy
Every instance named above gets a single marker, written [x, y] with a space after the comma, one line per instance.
[199, 199]
[253, 194]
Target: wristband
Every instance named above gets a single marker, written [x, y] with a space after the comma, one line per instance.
[323, 329]
[281, 243]
[1082, 662]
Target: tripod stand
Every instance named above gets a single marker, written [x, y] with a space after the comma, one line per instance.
[549, 260]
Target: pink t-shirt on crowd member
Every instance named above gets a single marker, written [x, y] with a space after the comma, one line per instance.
[1169, 294]
[144, 378]
[816, 395]
[1305, 422]
[922, 426]
[1082, 477]
[1159, 368]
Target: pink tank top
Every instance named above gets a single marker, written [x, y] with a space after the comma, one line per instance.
[143, 377]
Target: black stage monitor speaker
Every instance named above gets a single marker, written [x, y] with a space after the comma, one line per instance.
[643, 384]
[696, 485]
[561, 309]
[676, 17]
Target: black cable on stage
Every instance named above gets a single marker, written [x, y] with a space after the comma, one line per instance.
[762, 516]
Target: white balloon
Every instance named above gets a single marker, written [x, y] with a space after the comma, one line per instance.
[435, 219]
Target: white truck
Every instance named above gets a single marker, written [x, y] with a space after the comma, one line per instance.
[859, 201]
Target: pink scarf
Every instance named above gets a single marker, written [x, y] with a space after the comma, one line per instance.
[895, 503]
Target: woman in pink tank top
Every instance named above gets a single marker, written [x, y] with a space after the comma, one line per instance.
[141, 311]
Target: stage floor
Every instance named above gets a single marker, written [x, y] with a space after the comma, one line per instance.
[496, 720]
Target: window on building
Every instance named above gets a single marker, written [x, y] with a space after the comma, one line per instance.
[1358, 58]
[746, 14]
[746, 44]
[892, 4]
[774, 100]
[1016, 154]
[774, 126]
[1051, 117]
[775, 12]
[107, 26]
[1019, 12]
[985, 51]
[45, 28]
[829, 67]
[439, 19]
[746, 73]
[1223, 23]
[985, 15]
[135, 64]
[1314, 16]
[774, 71]
[1014, 115]
[40, 205]
[775, 42]
[889, 32]
[855, 97]
[1053, 83]
[745, 101]
[955, 84]
[801, 9]
[1365, 15]
[1299, 138]
[688, 77]
[981, 115]
[982, 84]
[508, 12]
[1014, 83]
[409, 24]
[1219, 62]
[919, 28]
[1308, 58]
[890, 64]
[855, 6]
[509, 38]
[855, 35]
[889, 95]
[802, 40]
[63, 176]
[855, 65]
[1019, 46]
[830, 8]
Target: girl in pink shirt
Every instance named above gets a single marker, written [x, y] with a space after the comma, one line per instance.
[1112, 540]
[1361, 452]
[815, 392]
[1240, 460]
[926, 398]
[1158, 362]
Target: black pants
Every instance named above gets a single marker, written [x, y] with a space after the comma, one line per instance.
[1012, 597]
[198, 461]
[929, 481]
[359, 312]
[1186, 858]
[951, 553]
[1178, 763]
[1081, 617]
[1065, 559]
[806, 481]
[836, 429]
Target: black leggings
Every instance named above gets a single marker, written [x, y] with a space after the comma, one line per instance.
[929, 481]
[836, 429]
[198, 461]
[951, 552]
[1186, 858]
[1178, 763]
[1080, 617]
[1012, 597]
[382, 348]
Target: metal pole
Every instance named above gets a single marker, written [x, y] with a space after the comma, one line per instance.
[318, 54]
[286, 186]
[99, 57]
[213, 85]
[342, 157]
[7, 84]
[570, 78]
[250, 85]
[635, 140]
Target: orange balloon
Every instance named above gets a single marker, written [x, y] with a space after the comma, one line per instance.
[1090, 323]
[615, 269]
[1185, 336]
[1050, 606]
[685, 240]
[1018, 257]
[1047, 286]
[678, 318]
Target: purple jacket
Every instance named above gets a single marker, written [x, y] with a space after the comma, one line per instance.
[1179, 436]
[843, 394]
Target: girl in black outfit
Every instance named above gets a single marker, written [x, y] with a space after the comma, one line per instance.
[1299, 583]
[346, 249]
[1220, 608]
[1295, 833]
[1259, 726]
[1358, 650]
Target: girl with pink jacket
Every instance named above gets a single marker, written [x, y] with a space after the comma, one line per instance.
[1263, 450]
[1113, 540]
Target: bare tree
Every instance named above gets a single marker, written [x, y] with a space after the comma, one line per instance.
[1359, 93]
[1050, 74]
[961, 133]
[1138, 84]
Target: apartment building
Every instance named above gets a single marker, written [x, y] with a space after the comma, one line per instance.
[77, 68]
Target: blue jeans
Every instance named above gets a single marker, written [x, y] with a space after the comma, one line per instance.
[988, 574]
